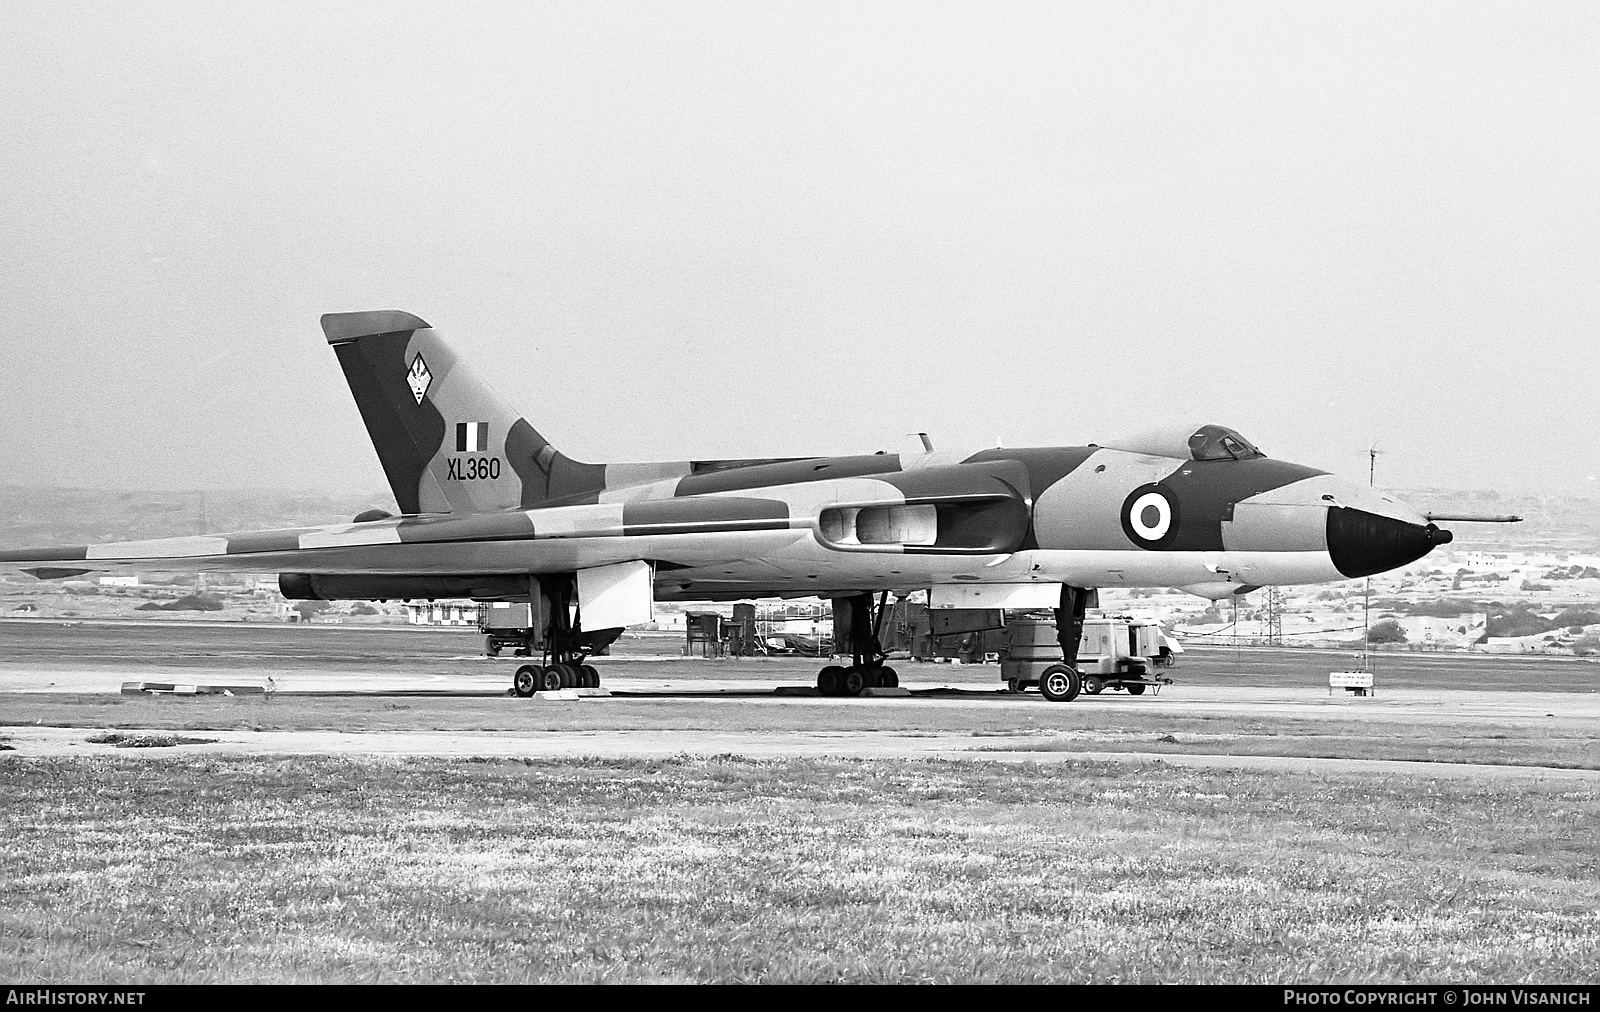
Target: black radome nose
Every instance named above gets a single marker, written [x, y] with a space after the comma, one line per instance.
[1363, 543]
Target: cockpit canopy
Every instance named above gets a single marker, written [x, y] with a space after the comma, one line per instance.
[1196, 442]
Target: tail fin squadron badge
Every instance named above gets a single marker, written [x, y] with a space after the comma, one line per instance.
[419, 378]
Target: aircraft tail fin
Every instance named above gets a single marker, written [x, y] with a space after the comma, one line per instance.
[448, 443]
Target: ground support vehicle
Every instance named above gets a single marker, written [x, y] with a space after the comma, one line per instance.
[1031, 650]
[1113, 653]
[1120, 653]
[507, 624]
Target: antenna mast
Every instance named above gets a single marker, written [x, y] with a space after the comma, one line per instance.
[1366, 592]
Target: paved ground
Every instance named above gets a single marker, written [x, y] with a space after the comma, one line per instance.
[96, 656]
[634, 744]
[667, 705]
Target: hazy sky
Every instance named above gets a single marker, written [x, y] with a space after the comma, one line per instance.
[675, 230]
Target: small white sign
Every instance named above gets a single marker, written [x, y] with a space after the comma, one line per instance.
[1350, 680]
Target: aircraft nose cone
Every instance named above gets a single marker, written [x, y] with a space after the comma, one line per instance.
[1363, 543]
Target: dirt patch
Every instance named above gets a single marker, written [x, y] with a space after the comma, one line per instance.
[120, 740]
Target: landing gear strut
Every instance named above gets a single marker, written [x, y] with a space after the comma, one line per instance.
[566, 645]
[1060, 683]
[857, 623]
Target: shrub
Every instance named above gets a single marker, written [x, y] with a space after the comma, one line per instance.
[1572, 616]
[1447, 607]
[1387, 631]
[195, 602]
[189, 602]
[310, 608]
[1520, 621]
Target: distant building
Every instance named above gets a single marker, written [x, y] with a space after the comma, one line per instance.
[1458, 632]
[119, 581]
[442, 613]
[1494, 560]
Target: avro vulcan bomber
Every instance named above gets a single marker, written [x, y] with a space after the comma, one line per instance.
[488, 509]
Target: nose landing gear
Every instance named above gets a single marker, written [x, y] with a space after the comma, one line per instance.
[1059, 683]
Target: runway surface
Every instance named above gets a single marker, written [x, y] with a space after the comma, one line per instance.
[364, 680]
[96, 656]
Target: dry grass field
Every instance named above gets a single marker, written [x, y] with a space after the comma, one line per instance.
[135, 869]
[281, 843]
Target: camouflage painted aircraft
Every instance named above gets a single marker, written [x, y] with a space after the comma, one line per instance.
[488, 509]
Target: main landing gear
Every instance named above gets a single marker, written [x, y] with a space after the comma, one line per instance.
[861, 622]
[566, 646]
[531, 678]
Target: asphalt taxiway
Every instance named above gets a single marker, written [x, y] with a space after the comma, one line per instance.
[660, 704]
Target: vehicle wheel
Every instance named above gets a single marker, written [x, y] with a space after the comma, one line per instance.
[1136, 689]
[591, 676]
[1059, 683]
[1093, 685]
[552, 679]
[853, 682]
[490, 647]
[888, 678]
[830, 679]
[526, 681]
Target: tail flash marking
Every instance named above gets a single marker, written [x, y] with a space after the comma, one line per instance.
[472, 437]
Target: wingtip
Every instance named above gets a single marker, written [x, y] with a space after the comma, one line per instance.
[344, 327]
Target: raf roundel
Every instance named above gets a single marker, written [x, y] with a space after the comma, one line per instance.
[1150, 516]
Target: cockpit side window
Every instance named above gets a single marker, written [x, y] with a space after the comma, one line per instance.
[1217, 442]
